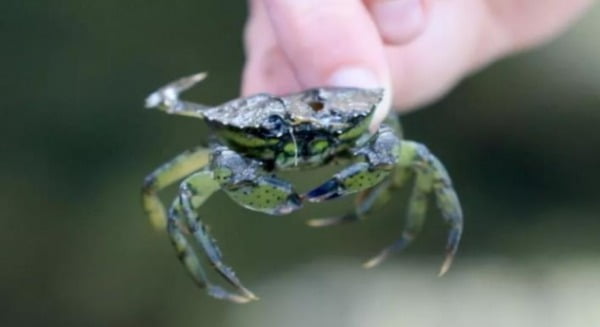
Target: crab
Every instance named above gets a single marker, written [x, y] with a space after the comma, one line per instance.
[258, 135]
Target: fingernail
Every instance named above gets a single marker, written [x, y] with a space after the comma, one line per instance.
[354, 77]
[382, 111]
[398, 21]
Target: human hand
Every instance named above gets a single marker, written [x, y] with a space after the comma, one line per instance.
[416, 49]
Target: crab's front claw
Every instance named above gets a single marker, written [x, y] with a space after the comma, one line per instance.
[293, 203]
[167, 97]
[355, 178]
[329, 190]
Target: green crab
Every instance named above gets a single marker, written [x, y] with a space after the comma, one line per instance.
[258, 135]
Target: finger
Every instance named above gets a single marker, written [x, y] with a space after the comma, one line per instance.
[427, 67]
[267, 68]
[460, 37]
[321, 37]
[398, 21]
[528, 22]
[331, 42]
[464, 36]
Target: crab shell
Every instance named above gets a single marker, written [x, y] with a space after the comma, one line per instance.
[318, 110]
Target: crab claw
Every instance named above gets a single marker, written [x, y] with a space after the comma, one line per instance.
[293, 203]
[168, 95]
[328, 190]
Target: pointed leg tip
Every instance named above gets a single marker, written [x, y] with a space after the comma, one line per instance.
[245, 297]
[242, 299]
[153, 101]
[332, 221]
[220, 293]
[315, 223]
[239, 299]
[198, 77]
[446, 265]
[369, 264]
[374, 262]
[442, 272]
[249, 295]
[321, 222]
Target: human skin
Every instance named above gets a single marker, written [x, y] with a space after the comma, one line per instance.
[416, 49]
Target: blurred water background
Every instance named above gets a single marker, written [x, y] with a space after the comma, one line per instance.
[520, 139]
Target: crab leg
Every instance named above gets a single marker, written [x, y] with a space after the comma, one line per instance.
[417, 209]
[187, 256]
[167, 97]
[194, 191]
[431, 177]
[165, 175]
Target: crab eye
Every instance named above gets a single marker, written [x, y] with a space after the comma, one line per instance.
[274, 120]
[274, 123]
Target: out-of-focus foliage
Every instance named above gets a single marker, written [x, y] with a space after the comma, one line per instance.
[520, 140]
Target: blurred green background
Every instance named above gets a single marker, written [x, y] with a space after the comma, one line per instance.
[520, 139]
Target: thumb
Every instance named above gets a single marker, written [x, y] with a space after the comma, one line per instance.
[331, 43]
